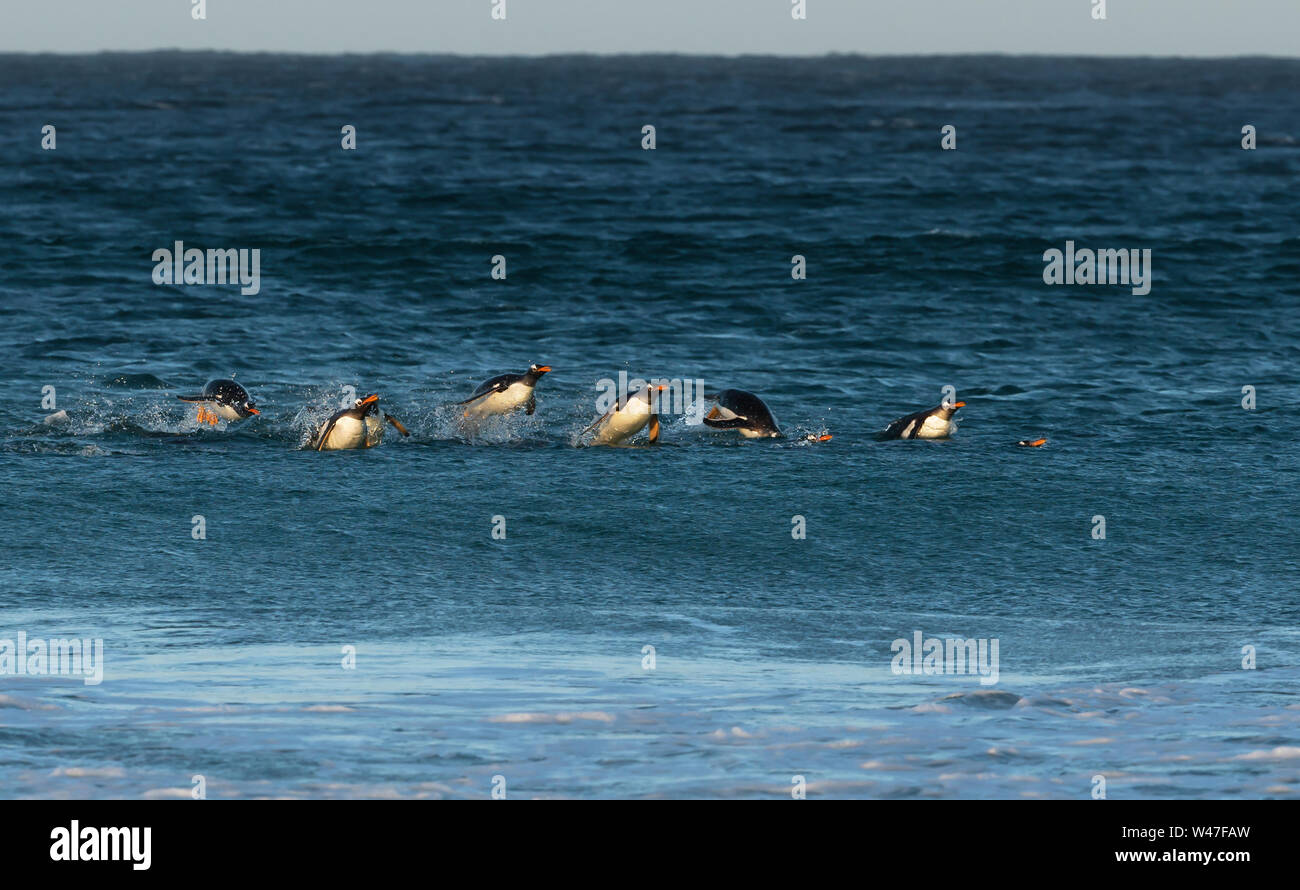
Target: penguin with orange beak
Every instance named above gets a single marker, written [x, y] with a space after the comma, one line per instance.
[934, 423]
[222, 399]
[742, 411]
[355, 427]
[628, 416]
[506, 393]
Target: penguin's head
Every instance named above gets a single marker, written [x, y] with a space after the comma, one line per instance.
[366, 404]
[247, 408]
[651, 394]
[950, 408]
[535, 370]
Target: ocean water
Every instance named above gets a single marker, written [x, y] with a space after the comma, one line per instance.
[525, 658]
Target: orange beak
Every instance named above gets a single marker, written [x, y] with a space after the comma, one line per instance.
[544, 369]
[825, 437]
[253, 411]
[370, 399]
[959, 404]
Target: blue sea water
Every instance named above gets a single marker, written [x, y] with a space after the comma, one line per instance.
[525, 658]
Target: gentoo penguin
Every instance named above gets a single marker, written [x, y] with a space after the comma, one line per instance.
[627, 417]
[222, 399]
[505, 393]
[1032, 443]
[934, 423]
[741, 411]
[355, 427]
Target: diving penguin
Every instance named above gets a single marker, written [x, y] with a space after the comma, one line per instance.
[224, 399]
[355, 427]
[741, 411]
[933, 423]
[505, 393]
[627, 417]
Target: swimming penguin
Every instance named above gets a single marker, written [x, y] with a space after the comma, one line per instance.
[223, 399]
[355, 427]
[741, 411]
[627, 417]
[1032, 443]
[934, 423]
[505, 393]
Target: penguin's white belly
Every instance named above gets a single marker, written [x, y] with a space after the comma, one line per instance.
[752, 434]
[509, 399]
[348, 432]
[936, 428]
[225, 412]
[623, 425]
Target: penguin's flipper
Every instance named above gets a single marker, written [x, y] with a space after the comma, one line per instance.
[324, 433]
[397, 424]
[904, 428]
[478, 394]
[530, 406]
[198, 398]
[485, 390]
[721, 418]
[597, 422]
[732, 423]
[654, 428]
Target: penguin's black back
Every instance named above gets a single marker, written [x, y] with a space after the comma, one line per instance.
[228, 392]
[501, 381]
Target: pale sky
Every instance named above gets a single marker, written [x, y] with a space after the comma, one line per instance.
[723, 27]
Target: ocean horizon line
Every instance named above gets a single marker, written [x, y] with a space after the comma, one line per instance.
[210, 51]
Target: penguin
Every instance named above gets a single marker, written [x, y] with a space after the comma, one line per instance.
[355, 427]
[627, 417]
[1032, 443]
[934, 423]
[505, 393]
[744, 412]
[222, 399]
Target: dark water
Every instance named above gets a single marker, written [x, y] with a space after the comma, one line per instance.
[523, 657]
